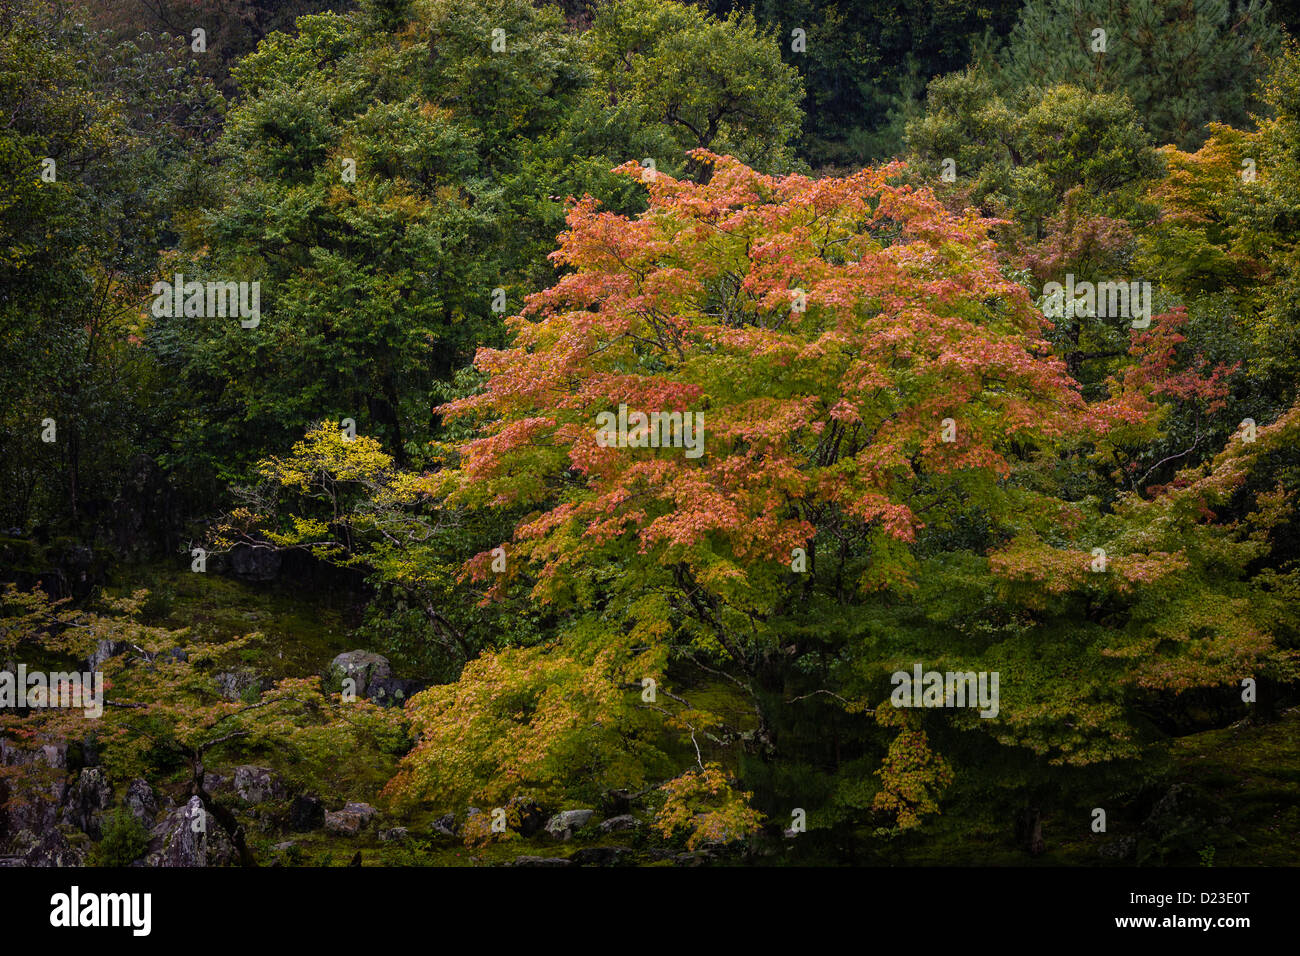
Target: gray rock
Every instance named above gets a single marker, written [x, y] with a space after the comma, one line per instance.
[87, 800]
[105, 650]
[31, 801]
[363, 810]
[624, 821]
[362, 667]
[562, 825]
[445, 825]
[258, 784]
[395, 835]
[343, 822]
[53, 849]
[214, 782]
[140, 801]
[233, 685]
[188, 836]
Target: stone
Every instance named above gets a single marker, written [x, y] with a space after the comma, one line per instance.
[562, 825]
[87, 800]
[395, 835]
[174, 841]
[445, 825]
[343, 822]
[624, 821]
[236, 685]
[103, 651]
[362, 667]
[53, 849]
[363, 810]
[140, 801]
[258, 784]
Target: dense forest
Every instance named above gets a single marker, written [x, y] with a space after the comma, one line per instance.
[642, 432]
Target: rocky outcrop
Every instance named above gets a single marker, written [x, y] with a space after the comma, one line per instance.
[624, 821]
[258, 784]
[562, 825]
[87, 800]
[445, 825]
[141, 802]
[54, 849]
[236, 685]
[351, 820]
[363, 667]
[188, 836]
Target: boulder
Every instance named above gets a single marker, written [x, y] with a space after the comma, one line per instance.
[215, 782]
[395, 835]
[562, 825]
[343, 822]
[31, 801]
[87, 800]
[624, 821]
[361, 667]
[188, 836]
[103, 651]
[258, 784]
[445, 825]
[363, 810]
[234, 685]
[53, 849]
[140, 801]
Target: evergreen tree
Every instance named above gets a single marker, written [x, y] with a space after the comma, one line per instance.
[1183, 63]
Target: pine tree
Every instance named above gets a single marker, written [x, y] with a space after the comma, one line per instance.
[1184, 63]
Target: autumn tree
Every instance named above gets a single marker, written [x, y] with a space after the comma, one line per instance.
[864, 372]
